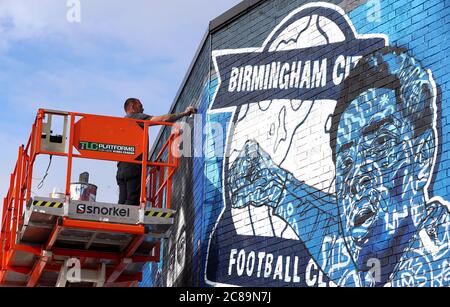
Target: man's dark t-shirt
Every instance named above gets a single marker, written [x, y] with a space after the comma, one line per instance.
[140, 116]
[130, 170]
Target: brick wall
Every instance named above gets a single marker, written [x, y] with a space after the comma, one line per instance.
[322, 149]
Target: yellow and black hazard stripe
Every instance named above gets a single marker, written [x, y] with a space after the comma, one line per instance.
[47, 204]
[164, 215]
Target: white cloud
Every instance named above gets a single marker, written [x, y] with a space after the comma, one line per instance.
[147, 27]
[22, 20]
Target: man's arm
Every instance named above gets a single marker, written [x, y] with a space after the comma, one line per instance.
[173, 117]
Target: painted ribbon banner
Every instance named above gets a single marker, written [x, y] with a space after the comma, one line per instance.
[312, 73]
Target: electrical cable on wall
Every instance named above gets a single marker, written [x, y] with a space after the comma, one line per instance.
[41, 184]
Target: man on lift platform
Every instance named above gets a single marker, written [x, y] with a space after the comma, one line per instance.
[129, 174]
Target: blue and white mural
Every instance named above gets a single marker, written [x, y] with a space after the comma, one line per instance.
[329, 160]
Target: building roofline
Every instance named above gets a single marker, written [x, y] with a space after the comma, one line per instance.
[214, 25]
[232, 14]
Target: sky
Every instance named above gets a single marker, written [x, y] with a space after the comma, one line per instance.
[52, 57]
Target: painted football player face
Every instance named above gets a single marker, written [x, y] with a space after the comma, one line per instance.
[375, 174]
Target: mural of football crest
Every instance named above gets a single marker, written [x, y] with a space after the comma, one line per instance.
[330, 152]
[321, 151]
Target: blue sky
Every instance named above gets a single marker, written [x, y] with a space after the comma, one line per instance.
[139, 49]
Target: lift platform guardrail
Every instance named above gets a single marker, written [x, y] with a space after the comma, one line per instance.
[39, 235]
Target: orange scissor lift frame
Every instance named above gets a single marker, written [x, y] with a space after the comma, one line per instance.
[45, 239]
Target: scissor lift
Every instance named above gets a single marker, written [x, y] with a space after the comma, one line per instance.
[64, 242]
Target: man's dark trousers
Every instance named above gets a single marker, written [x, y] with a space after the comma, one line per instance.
[129, 181]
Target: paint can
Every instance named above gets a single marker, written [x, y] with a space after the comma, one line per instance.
[83, 191]
[57, 194]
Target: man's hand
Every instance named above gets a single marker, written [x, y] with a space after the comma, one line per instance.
[254, 179]
[190, 110]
